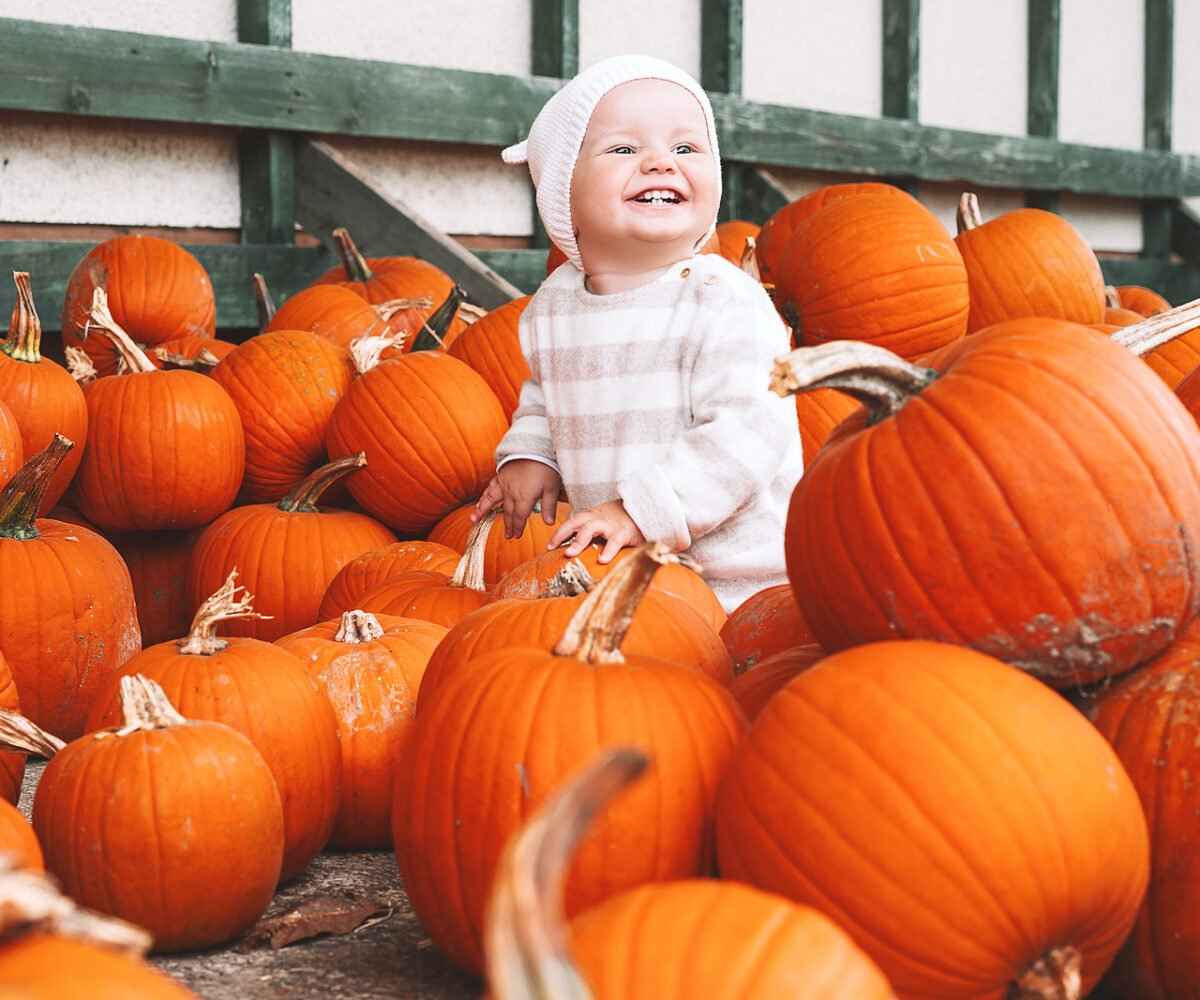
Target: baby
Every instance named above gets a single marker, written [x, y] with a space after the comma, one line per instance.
[648, 401]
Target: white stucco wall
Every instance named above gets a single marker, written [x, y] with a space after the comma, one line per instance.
[669, 29]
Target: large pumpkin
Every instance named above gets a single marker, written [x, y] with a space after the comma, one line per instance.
[158, 563]
[754, 688]
[12, 764]
[12, 450]
[367, 572]
[907, 789]
[1036, 497]
[40, 395]
[490, 346]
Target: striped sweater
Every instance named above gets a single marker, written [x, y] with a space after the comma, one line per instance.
[658, 396]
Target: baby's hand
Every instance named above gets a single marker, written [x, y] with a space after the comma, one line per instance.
[519, 485]
[607, 520]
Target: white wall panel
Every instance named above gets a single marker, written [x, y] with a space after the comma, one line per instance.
[814, 54]
[1100, 73]
[669, 29]
[212, 20]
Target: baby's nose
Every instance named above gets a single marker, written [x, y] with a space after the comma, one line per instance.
[663, 160]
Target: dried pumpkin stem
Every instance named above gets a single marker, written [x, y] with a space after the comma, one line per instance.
[80, 366]
[570, 581]
[469, 571]
[306, 493]
[24, 341]
[1057, 975]
[470, 313]
[1112, 298]
[525, 936]
[205, 360]
[145, 706]
[433, 330]
[264, 305]
[749, 261]
[223, 606]
[969, 216]
[358, 626]
[20, 733]
[21, 498]
[101, 318]
[882, 381]
[386, 310]
[1154, 331]
[366, 352]
[357, 268]
[31, 903]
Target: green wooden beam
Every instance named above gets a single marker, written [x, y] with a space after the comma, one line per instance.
[266, 159]
[1043, 29]
[555, 54]
[90, 71]
[1179, 283]
[902, 67]
[526, 269]
[1185, 234]
[231, 267]
[1156, 126]
[721, 71]
[332, 191]
[762, 196]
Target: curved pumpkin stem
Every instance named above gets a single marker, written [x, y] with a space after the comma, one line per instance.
[101, 318]
[205, 360]
[264, 305]
[24, 341]
[357, 268]
[525, 935]
[969, 215]
[146, 707]
[306, 493]
[433, 330]
[30, 903]
[1154, 331]
[79, 365]
[469, 571]
[358, 626]
[21, 498]
[570, 581]
[881, 380]
[19, 733]
[1057, 975]
[223, 606]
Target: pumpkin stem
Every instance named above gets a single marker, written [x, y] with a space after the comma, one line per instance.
[20, 733]
[127, 351]
[1057, 975]
[30, 903]
[305, 494]
[205, 360]
[145, 706]
[79, 365]
[24, 329]
[470, 313]
[357, 268]
[570, 581]
[21, 498]
[366, 352]
[1154, 331]
[433, 330]
[596, 630]
[224, 605]
[526, 929]
[749, 261]
[1112, 298]
[386, 310]
[264, 305]
[358, 626]
[469, 571]
[878, 378]
[969, 216]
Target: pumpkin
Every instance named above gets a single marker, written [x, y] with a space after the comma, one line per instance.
[1140, 300]
[54, 950]
[71, 623]
[1169, 342]
[668, 940]
[339, 315]
[958, 533]
[878, 268]
[263, 692]
[1188, 393]
[367, 572]
[1150, 718]
[732, 236]
[1058, 276]
[285, 385]
[17, 839]
[165, 448]
[429, 426]
[501, 554]
[490, 346]
[12, 451]
[287, 552]
[40, 395]
[156, 289]
[764, 624]
[369, 668]
[818, 413]
[201, 354]
[756, 686]
[508, 726]
[158, 564]
[1121, 317]
[554, 257]
[894, 787]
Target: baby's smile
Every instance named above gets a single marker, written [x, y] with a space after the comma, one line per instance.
[659, 196]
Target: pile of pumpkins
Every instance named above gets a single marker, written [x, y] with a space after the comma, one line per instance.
[253, 606]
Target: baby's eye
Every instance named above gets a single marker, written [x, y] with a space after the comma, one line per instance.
[684, 147]
[624, 150]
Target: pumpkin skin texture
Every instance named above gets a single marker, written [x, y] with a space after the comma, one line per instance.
[490, 346]
[1176, 359]
[12, 451]
[331, 312]
[47, 967]
[156, 289]
[285, 386]
[877, 268]
[958, 533]
[818, 413]
[732, 236]
[429, 597]
[905, 789]
[372, 685]
[429, 425]
[158, 568]
[1142, 300]
[12, 763]
[1121, 317]
[18, 840]
[367, 572]
[764, 624]
[502, 554]
[756, 686]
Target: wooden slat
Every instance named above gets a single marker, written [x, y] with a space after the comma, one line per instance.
[555, 54]
[1156, 125]
[1178, 282]
[762, 196]
[46, 67]
[526, 269]
[332, 191]
[902, 68]
[1043, 31]
[1185, 234]
[721, 70]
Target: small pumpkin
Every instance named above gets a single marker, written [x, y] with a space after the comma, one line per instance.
[1140, 299]
[1169, 341]
[764, 624]
[491, 347]
[12, 450]
[201, 354]
[732, 236]
[754, 688]
[339, 315]
[367, 572]
[501, 554]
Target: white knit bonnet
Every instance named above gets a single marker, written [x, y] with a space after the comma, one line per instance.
[556, 137]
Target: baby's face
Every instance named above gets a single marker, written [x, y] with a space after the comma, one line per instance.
[645, 185]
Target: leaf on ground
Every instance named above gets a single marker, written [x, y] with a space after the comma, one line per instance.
[315, 916]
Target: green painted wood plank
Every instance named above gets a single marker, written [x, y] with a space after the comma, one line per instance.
[1043, 33]
[231, 267]
[332, 191]
[90, 71]
[526, 269]
[1179, 283]
[762, 196]
[1156, 123]
[555, 54]
[265, 22]
[902, 58]
[1185, 233]
[721, 45]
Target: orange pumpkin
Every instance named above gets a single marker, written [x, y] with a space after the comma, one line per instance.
[554, 259]
[1141, 300]
[501, 554]
[818, 414]
[39, 395]
[337, 314]
[12, 451]
[893, 786]
[732, 236]
[367, 572]
[1121, 317]
[370, 669]
[158, 564]
[756, 686]
[764, 624]
[490, 346]
[1169, 342]
[201, 354]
